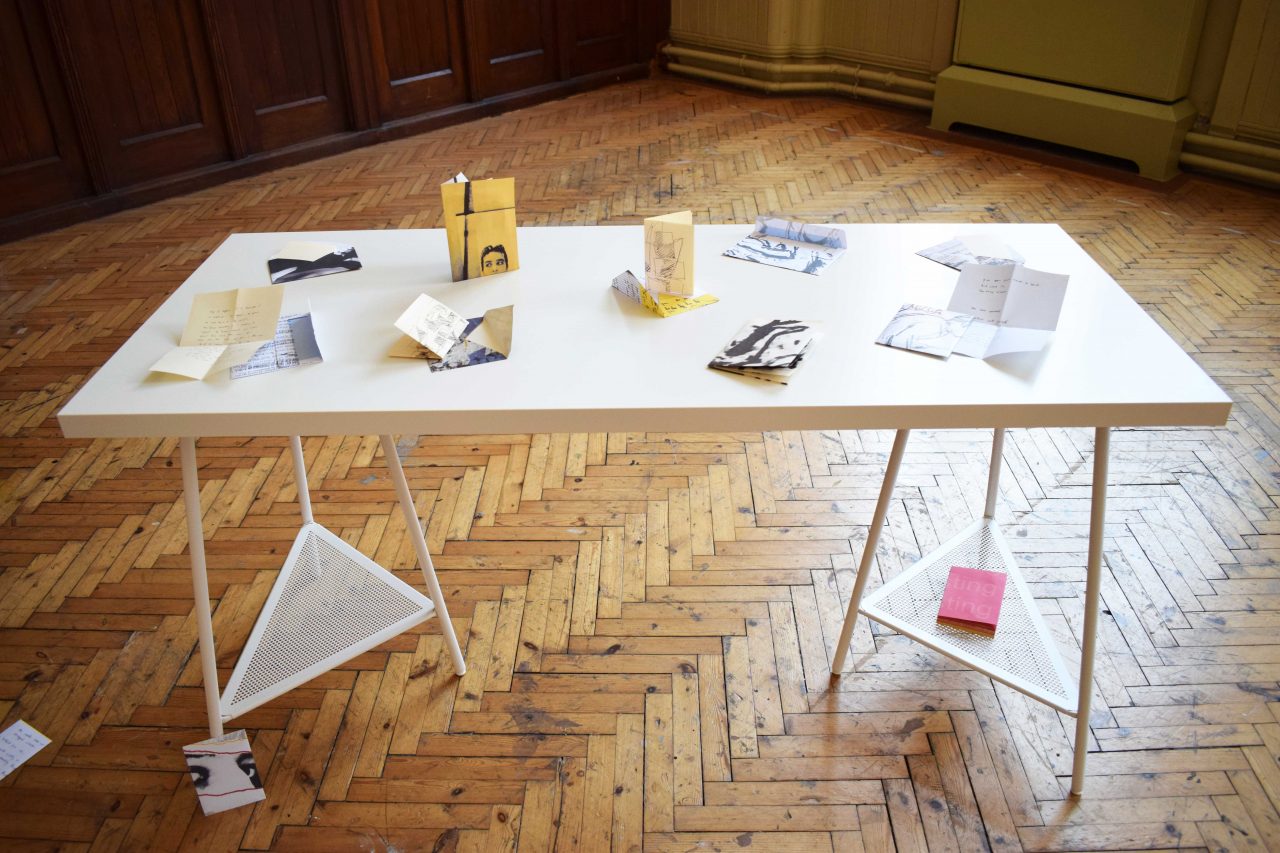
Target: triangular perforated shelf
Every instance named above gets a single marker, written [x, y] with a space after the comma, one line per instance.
[1022, 654]
[329, 604]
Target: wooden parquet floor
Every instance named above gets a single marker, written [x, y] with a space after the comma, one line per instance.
[649, 618]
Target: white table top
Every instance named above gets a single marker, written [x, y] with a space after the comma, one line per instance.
[586, 359]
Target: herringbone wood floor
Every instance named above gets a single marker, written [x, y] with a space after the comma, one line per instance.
[649, 618]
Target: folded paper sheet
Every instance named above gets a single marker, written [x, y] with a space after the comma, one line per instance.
[18, 743]
[791, 245]
[662, 304]
[480, 224]
[223, 328]
[293, 346]
[300, 259]
[668, 253]
[920, 328]
[224, 772]
[1015, 308]
[446, 339]
[970, 249]
[767, 349]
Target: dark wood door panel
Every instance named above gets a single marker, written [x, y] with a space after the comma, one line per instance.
[418, 55]
[513, 44]
[283, 64]
[596, 36]
[143, 71]
[41, 163]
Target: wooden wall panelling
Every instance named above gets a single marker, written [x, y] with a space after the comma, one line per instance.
[512, 45]
[417, 56]
[596, 36]
[144, 85]
[40, 160]
[284, 66]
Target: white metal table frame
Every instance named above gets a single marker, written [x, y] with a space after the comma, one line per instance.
[239, 699]
[942, 639]
[1108, 366]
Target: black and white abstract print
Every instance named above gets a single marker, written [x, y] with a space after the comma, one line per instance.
[921, 328]
[767, 343]
[341, 259]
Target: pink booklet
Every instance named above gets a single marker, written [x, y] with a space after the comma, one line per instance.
[971, 600]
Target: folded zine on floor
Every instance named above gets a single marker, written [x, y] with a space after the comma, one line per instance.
[480, 226]
[224, 772]
[1014, 308]
[767, 349]
[301, 259]
[662, 304]
[447, 340]
[791, 245]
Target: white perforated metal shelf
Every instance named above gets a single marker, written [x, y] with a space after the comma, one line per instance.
[329, 604]
[1022, 654]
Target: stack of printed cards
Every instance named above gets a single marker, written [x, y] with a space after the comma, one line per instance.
[767, 349]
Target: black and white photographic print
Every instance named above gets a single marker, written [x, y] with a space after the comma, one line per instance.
[767, 349]
[920, 328]
[299, 260]
[224, 772]
[790, 245]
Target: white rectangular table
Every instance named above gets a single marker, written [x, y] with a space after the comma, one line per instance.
[585, 359]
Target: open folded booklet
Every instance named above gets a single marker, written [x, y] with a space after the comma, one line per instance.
[994, 310]
[223, 329]
[791, 245]
[663, 304]
[293, 346]
[767, 349]
[447, 340]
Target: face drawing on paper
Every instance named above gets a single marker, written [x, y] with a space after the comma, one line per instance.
[217, 774]
[662, 257]
[493, 260]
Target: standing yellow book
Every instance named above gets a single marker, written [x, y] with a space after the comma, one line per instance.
[480, 223]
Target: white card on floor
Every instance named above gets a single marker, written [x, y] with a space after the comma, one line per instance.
[18, 743]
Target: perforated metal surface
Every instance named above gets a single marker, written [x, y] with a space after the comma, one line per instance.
[1020, 648]
[333, 601]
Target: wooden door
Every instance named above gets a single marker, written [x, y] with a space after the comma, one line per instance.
[512, 45]
[596, 36]
[282, 70]
[41, 163]
[417, 53]
[143, 75]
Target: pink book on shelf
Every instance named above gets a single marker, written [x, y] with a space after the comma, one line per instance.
[971, 600]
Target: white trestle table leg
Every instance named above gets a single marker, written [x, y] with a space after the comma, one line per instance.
[993, 473]
[300, 477]
[200, 584]
[1092, 591]
[869, 550]
[424, 556]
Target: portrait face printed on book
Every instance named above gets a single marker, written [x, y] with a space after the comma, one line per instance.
[480, 224]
